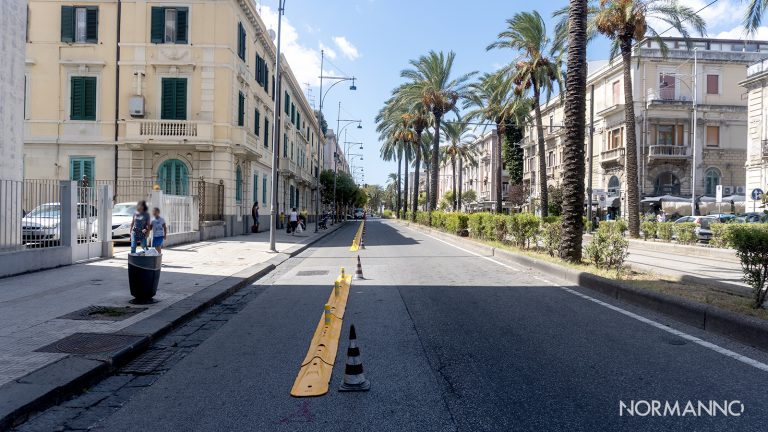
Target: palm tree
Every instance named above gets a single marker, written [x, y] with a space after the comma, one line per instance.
[457, 136]
[431, 83]
[426, 149]
[575, 113]
[537, 67]
[391, 191]
[626, 22]
[394, 131]
[419, 118]
[753, 19]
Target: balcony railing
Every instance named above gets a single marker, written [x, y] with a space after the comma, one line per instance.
[612, 156]
[668, 152]
[168, 130]
[288, 167]
[765, 148]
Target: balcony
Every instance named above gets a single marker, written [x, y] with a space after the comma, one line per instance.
[612, 157]
[764, 147]
[668, 152]
[168, 131]
[288, 167]
[246, 144]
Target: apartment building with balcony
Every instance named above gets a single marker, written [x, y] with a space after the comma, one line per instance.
[756, 84]
[333, 149]
[167, 91]
[663, 89]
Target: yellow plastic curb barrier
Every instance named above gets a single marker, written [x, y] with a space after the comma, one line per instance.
[356, 241]
[315, 374]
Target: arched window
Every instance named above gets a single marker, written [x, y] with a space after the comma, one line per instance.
[614, 186]
[173, 177]
[711, 180]
[238, 184]
[666, 184]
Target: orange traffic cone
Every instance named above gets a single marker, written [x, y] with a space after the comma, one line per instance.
[354, 378]
[359, 271]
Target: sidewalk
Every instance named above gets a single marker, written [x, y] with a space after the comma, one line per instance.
[32, 306]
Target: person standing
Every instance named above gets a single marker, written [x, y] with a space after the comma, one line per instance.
[281, 220]
[255, 215]
[159, 230]
[139, 227]
[293, 219]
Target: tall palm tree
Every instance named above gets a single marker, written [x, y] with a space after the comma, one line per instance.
[753, 19]
[420, 119]
[575, 113]
[426, 148]
[627, 22]
[537, 67]
[457, 134]
[394, 132]
[431, 83]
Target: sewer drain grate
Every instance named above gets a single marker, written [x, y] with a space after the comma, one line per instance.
[148, 362]
[91, 343]
[312, 273]
[103, 313]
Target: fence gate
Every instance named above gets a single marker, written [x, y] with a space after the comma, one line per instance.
[94, 221]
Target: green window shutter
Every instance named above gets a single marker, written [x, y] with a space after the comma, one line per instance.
[238, 184]
[81, 166]
[258, 69]
[173, 105]
[67, 24]
[266, 132]
[287, 103]
[256, 121]
[266, 77]
[264, 189]
[182, 25]
[157, 27]
[285, 144]
[89, 107]
[76, 98]
[241, 109]
[92, 24]
[293, 114]
[241, 41]
[181, 98]
[255, 188]
[298, 118]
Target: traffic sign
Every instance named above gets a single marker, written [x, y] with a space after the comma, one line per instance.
[719, 194]
[757, 194]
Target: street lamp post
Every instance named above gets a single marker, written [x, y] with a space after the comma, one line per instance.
[276, 134]
[336, 156]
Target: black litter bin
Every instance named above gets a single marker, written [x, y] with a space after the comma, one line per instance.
[143, 276]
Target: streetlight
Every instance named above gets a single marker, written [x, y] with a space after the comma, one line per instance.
[352, 87]
[336, 156]
[276, 133]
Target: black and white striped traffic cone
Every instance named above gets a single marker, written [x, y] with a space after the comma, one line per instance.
[354, 378]
[362, 242]
[359, 271]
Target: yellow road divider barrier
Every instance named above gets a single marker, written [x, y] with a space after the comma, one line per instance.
[358, 238]
[315, 374]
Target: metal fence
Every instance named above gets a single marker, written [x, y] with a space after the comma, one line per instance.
[211, 196]
[180, 212]
[11, 210]
[41, 210]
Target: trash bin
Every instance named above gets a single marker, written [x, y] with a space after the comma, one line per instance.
[143, 276]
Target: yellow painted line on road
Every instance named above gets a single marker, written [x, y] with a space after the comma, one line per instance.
[356, 241]
[315, 374]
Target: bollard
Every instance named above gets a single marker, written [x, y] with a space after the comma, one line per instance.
[336, 288]
[343, 275]
[327, 312]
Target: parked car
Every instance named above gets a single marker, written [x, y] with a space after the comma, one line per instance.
[703, 230]
[122, 215]
[724, 217]
[359, 213]
[752, 217]
[42, 223]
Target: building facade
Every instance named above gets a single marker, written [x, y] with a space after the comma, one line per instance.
[333, 150]
[756, 85]
[172, 92]
[663, 95]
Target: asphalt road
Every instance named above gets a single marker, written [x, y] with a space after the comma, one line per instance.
[451, 341]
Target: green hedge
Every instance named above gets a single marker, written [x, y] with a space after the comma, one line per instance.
[685, 232]
[649, 229]
[664, 230]
[722, 236]
[751, 244]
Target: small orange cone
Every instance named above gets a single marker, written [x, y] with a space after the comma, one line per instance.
[354, 378]
[359, 271]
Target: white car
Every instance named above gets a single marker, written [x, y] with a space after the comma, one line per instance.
[42, 223]
[122, 215]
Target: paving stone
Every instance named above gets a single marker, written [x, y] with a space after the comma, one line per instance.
[86, 399]
[51, 420]
[113, 383]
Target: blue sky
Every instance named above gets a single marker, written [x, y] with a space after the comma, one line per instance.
[374, 39]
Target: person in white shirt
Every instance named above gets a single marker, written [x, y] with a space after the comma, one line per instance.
[293, 220]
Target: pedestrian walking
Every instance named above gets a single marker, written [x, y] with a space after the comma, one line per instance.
[293, 220]
[159, 230]
[255, 215]
[139, 227]
[281, 220]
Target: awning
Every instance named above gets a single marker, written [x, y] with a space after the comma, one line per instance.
[664, 198]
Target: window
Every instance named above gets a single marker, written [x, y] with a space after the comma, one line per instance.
[262, 73]
[666, 86]
[256, 121]
[241, 109]
[80, 24]
[291, 197]
[551, 124]
[82, 98]
[713, 136]
[711, 180]
[173, 177]
[665, 135]
[264, 190]
[255, 188]
[616, 92]
[238, 184]
[80, 167]
[293, 114]
[169, 25]
[616, 138]
[241, 36]
[614, 186]
[266, 132]
[666, 183]
[713, 84]
[287, 103]
[174, 99]
[285, 145]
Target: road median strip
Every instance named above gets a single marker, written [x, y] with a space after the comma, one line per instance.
[358, 237]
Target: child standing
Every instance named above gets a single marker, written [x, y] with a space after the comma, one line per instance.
[139, 227]
[159, 230]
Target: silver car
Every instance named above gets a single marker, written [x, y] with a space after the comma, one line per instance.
[122, 216]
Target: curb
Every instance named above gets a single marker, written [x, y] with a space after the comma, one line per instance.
[744, 329]
[70, 375]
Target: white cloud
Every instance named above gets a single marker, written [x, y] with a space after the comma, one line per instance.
[718, 17]
[304, 61]
[329, 52]
[739, 33]
[346, 47]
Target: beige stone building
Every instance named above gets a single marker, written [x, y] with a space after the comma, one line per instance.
[663, 94]
[171, 92]
[756, 83]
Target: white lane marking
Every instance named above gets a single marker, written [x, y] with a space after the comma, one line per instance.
[709, 345]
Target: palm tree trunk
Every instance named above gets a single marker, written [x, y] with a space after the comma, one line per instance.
[435, 165]
[417, 168]
[453, 179]
[497, 174]
[630, 163]
[461, 174]
[428, 170]
[406, 190]
[575, 110]
[542, 149]
[399, 164]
